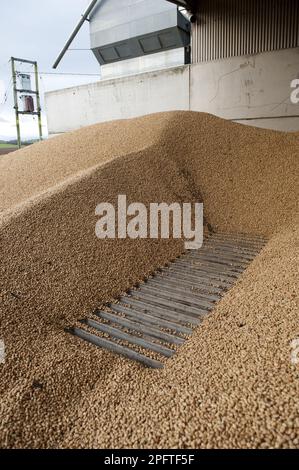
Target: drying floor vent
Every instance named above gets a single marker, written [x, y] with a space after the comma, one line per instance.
[151, 321]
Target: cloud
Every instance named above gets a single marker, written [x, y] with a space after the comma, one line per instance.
[52, 23]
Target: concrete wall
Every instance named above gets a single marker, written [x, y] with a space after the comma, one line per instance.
[120, 98]
[253, 90]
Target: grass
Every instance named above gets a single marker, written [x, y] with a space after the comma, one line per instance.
[8, 146]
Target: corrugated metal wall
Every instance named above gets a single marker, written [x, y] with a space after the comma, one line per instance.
[227, 28]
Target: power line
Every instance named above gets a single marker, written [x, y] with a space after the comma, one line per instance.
[69, 74]
[7, 92]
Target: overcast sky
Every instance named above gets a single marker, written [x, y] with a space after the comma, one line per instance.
[37, 30]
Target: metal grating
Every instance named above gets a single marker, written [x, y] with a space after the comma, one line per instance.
[235, 28]
[151, 321]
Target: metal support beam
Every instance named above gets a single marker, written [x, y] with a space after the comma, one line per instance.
[75, 32]
[28, 92]
[15, 94]
[25, 61]
[28, 113]
[40, 129]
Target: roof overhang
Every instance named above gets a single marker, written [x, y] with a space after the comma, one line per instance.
[190, 5]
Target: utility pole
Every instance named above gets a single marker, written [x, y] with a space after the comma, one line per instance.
[38, 102]
[35, 92]
[14, 79]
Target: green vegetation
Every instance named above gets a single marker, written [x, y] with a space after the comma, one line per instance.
[4, 145]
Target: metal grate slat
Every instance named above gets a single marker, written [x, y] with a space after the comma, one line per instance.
[157, 316]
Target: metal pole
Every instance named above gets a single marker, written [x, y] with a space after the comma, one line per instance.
[75, 32]
[16, 106]
[25, 61]
[38, 103]
[187, 54]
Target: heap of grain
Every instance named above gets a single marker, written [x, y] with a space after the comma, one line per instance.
[233, 383]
